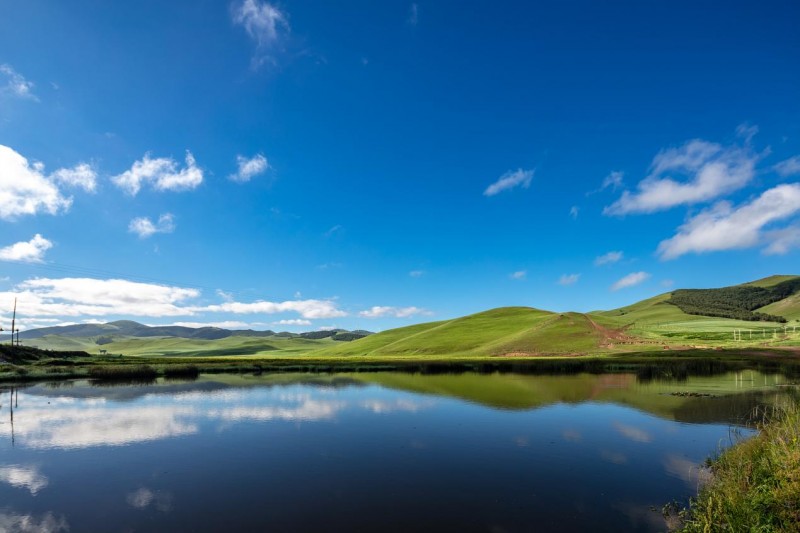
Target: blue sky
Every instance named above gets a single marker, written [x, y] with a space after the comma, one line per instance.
[298, 165]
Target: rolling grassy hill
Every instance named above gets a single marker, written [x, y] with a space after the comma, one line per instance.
[503, 331]
[510, 331]
[646, 325]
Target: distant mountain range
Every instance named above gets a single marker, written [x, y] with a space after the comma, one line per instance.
[130, 328]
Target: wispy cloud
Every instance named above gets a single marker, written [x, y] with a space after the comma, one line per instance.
[711, 169]
[574, 211]
[144, 227]
[397, 312]
[783, 240]
[162, 173]
[568, 279]
[413, 14]
[31, 251]
[247, 168]
[510, 180]
[338, 228]
[518, 275]
[416, 273]
[608, 259]
[310, 309]
[788, 167]
[266, 25]
[15, 83]
[723, 227]
[632, 279]
[292, 322]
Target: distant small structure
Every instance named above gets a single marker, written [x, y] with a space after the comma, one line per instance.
[103, 352]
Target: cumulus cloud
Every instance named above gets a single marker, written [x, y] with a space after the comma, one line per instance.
[144, 227]
[510, 180]
[609, 258]
[15, 83]
[634, 278]
[379, 311]
[31, 251]
[25, 190]
[247, 168]
[266, 25]
[788, 167]
[82, 176]
[723, 227]
[162, 174]
[711, 169]
[519, 274]
[568, 279]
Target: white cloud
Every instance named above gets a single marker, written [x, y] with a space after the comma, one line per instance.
[783, 240]
[413, 14]
[609, 258]
[509, 180]
[519, 274]
[712, 170]
[248, 168]
[31, 251]
[568, 279]
[144, 227]
[24, 190]
[379, 311]
[788, 167]
[573, 212]
[723, 227]
[416, 273]
[292, 322]
[162, 173]
[73, 297]
[16, 84]
[266, 25]
[306, 308]
[635, 278]
[82, 176]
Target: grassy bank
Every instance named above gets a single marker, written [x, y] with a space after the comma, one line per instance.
[755, 484]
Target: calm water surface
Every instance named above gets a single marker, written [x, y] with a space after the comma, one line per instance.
[364, 452]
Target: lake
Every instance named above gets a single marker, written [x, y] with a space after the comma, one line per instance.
[366, 451]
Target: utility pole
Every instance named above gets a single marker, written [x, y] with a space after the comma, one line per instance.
[13, 321]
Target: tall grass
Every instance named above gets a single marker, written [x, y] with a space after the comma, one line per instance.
[756, 484]
[123, 372]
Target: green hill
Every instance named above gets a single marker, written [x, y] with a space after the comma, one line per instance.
[503, 331]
